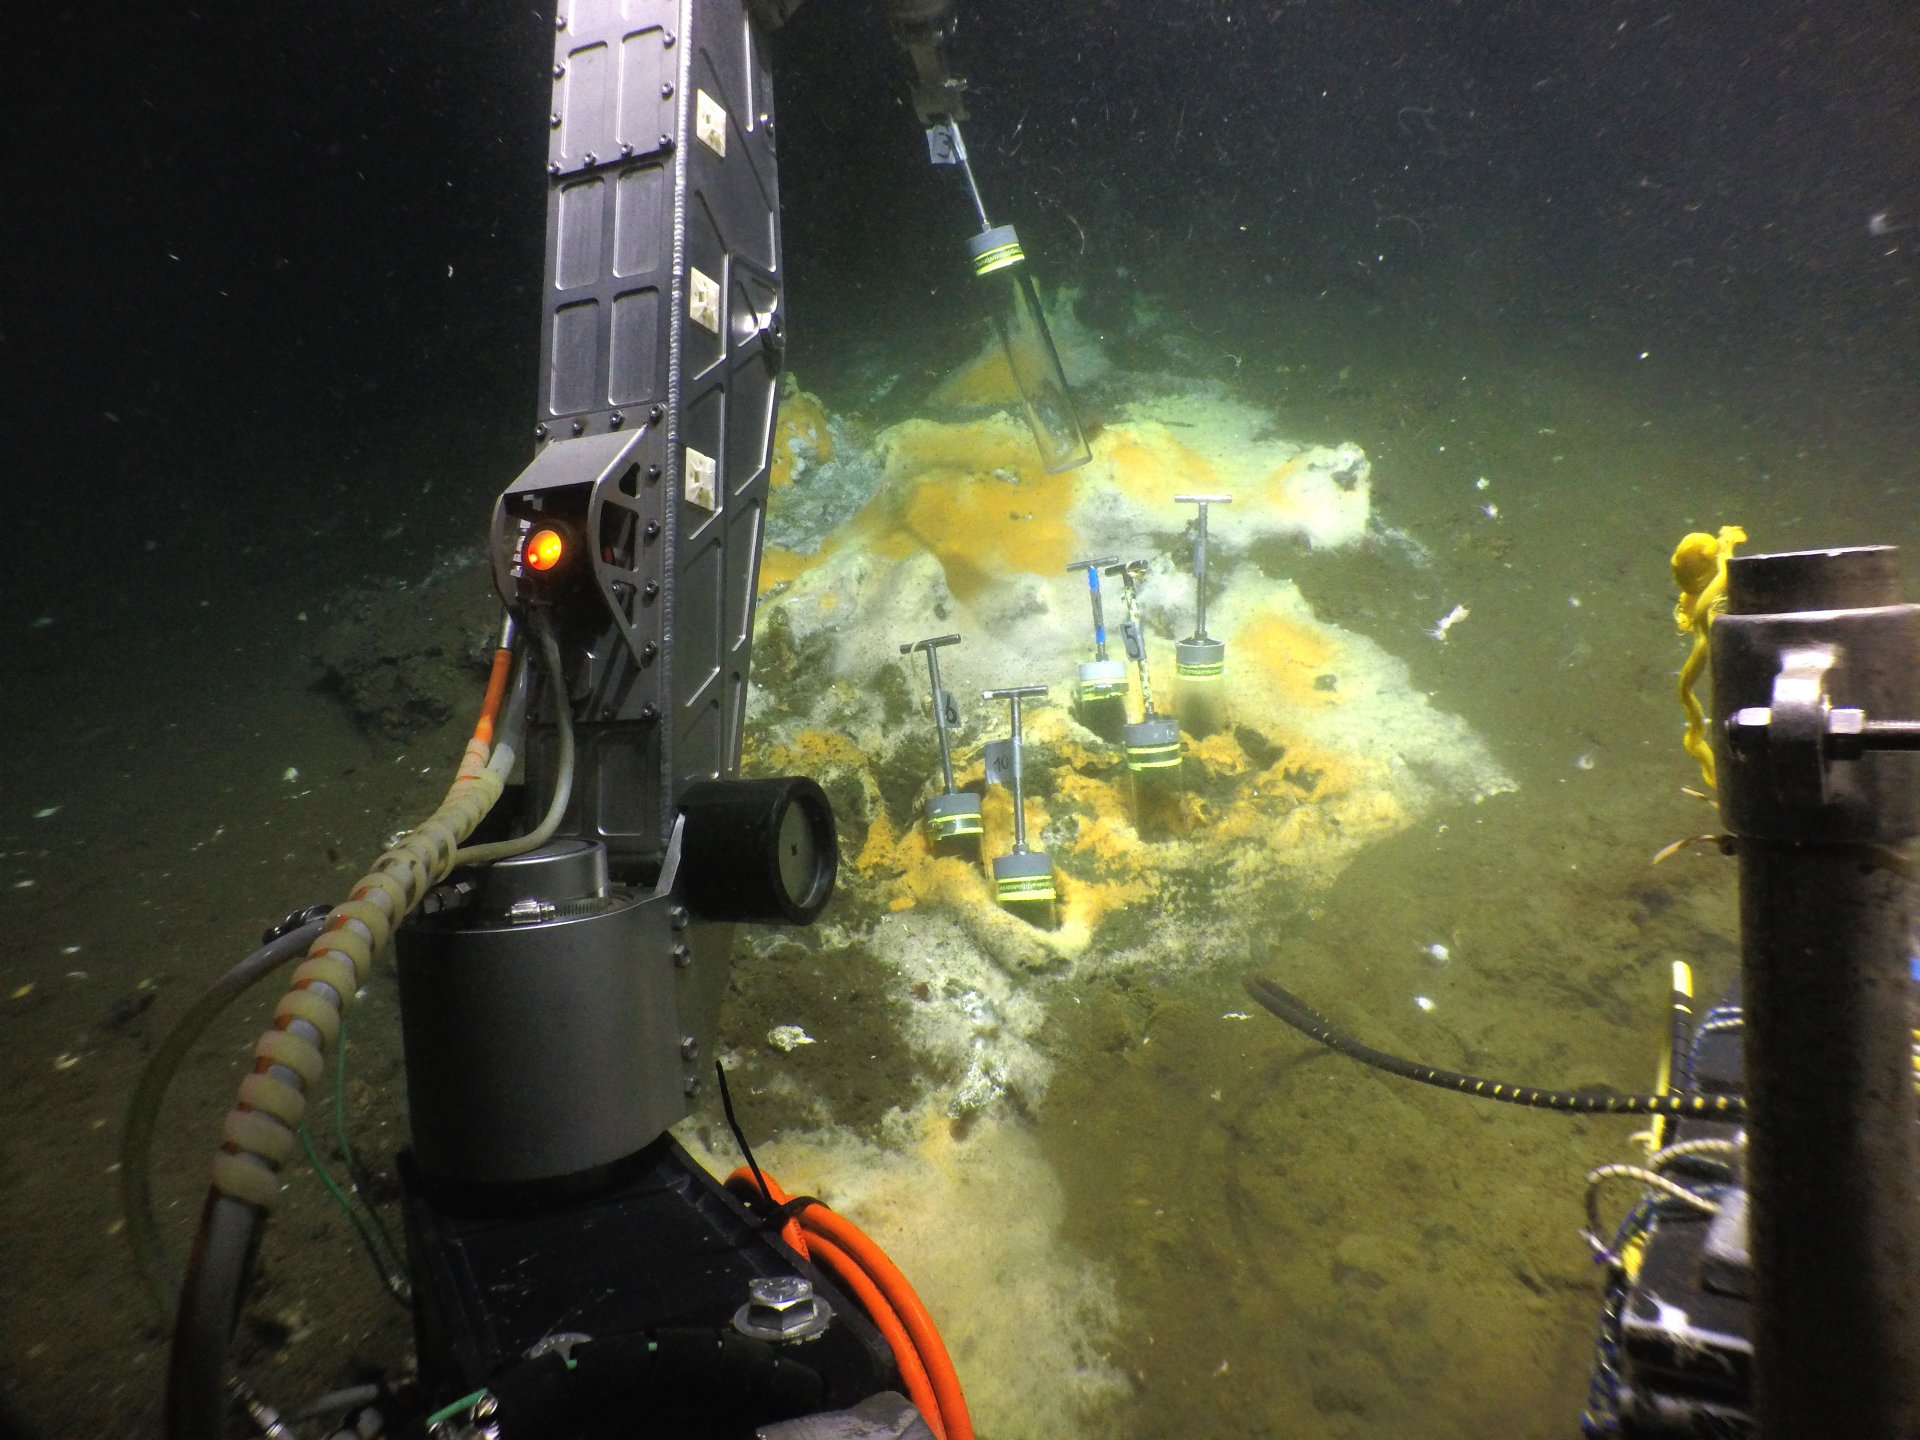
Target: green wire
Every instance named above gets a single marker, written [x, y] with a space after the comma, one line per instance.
[356, 1176]
[392, 1277]
[455, 1408]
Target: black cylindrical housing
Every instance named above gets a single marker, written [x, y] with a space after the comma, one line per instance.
[1825, 928]
[761, 850]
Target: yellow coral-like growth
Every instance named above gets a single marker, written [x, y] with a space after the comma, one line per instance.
[973, 496]
[1288, 656]
[987, 379]
[1700, 571]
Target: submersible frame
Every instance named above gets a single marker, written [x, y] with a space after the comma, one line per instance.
[1814, 657]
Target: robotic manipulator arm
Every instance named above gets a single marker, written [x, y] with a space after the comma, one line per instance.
[559, 1000]
[634, 537]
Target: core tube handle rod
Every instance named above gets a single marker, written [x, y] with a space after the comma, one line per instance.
[1014, 694]
[966, 169]
[1128, 574]
[932, 649]
[1200, 558]
[1093, 569]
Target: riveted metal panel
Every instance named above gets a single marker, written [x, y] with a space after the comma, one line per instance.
[637, 203]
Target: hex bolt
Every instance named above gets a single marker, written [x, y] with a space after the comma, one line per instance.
[648, 651]
[559, 70]
[653, 470]
[616, 420]
[553, 120]
[666, 40]
[682, 956]
[654, 412]
[626, 147]
[679, 917]
[693, 1086]
[578, 425]
[666, 142]
[666, 91]
[650, 589]
[652, 530]
[782, 1308]
[649, 712]
[540, 432]
[689, 1048]
[559, 22]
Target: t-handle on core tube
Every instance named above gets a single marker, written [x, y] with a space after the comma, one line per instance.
[1022, 879]
[953, 816]
[1200, 656]
[932, 649]
[1101, 695]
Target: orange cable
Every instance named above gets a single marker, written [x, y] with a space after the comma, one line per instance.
[950, 1412]
[913, 1374]
[496, 692]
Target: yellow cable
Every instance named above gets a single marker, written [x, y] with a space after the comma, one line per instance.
[1700, 570]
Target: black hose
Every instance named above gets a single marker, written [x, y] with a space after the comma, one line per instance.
[143, 1109]
[1311, 1023]
[217, 1275]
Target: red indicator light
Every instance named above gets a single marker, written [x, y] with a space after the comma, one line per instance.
[545, 549]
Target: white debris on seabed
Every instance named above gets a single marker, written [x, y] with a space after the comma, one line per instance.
[46, 812]
[983, 1083]
[1447, 621]
[788, 1038]
[1438, 953]
[1425, 1002]
[290, 774]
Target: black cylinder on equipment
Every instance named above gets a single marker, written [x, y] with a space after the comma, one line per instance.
[1824, 938]
[761, 850]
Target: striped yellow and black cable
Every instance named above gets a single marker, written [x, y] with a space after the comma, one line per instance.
[1311, 1023]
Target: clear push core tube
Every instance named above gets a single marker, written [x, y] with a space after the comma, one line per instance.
[1035, 364]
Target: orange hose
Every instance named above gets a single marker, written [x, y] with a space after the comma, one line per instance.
[945, 1410]
[496, 693]
[913, 1374]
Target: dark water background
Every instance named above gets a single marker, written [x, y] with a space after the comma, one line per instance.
[271, 332]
